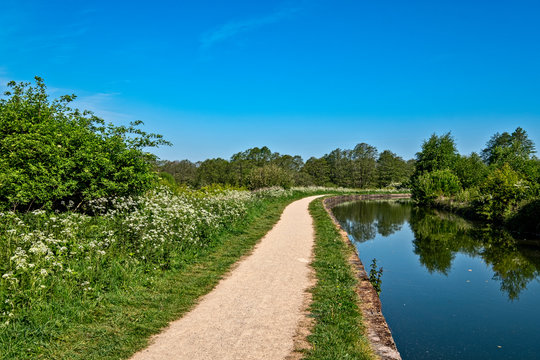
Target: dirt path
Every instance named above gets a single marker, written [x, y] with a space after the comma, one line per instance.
[253, 313]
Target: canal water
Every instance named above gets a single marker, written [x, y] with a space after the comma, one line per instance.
[451, 289]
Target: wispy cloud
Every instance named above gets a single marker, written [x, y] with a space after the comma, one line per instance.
[103, 105]
[234, 28]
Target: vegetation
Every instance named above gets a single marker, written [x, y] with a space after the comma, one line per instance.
[96, 287]
[52, 155]
[361, 167]
[375, 276]
[338, 331]
[501, 185]
[94, 232]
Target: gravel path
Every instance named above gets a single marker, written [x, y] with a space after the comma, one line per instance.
[255, 311]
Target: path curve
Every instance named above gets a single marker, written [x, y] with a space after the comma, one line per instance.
[254, 312]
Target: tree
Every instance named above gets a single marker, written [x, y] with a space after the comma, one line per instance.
[243, 162]
[502, 191]
[213, 171]
[339, 164]
[435, 184]
[364, 160]
[471, 170]
[52, 154]
[268, 176]
[515, 149]
[391, 169]
[318, 170]
[289, 162]
[183, 171]
[438, 153]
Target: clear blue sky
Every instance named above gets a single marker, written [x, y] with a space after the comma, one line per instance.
[302, 77]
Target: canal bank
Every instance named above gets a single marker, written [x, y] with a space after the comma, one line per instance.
[452, 289]
[377, 329]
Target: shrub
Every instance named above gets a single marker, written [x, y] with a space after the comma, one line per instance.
[269, 176]
[431, 185]
[502, 191]
[51, 154]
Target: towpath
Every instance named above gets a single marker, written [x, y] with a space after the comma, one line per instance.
[253, 313]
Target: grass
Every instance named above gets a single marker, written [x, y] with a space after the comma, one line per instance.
[338, 332]
[119, 322]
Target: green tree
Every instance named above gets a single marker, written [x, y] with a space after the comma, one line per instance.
[213, 171]
[51, 153]
[243, 162]
[268, 176]
[432, 185]
[391, 169]
[183, 171]
[502, 191]
[363, 165]
[514, 149]
[318, 170]
[339, 164]
[471, 170]
[439, 152]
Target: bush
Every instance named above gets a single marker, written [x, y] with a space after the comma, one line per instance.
[269, 176]
[502, 191]
[51, 154]
[526, 219]
[431, 185]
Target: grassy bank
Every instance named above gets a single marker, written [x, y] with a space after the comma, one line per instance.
[123, 302]
[77, 286]
[338, 332]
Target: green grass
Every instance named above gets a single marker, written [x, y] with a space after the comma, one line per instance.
[338, 332]
[119, 322]
[115, 322]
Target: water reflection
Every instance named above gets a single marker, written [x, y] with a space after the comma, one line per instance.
[366, 219]
[439, 236]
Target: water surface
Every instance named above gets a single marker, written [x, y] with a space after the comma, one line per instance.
[451, 289]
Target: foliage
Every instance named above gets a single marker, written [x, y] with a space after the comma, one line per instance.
[319, 171]
[438, 153]
[392, 169]
[512, 148]
[360, 167]
[494, 185]
[51, 154]
[432, 185]
[213, 171]
[183, 171]
[43, 252]
[128, 297]
[525, 220]
[375, 276]
[268, 176]
[501, 193]
[471, 170]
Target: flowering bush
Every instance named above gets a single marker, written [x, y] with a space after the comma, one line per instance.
[82, 254]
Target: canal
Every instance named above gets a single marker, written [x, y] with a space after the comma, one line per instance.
[451, 289]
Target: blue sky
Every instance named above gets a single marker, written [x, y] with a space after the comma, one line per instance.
[302, 77]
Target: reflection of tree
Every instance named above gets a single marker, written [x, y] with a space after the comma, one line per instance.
[439, 236]
[437, 239]
[510, 263]
[364, 219]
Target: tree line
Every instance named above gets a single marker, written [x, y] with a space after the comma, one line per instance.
[500, 184]
[360, 167]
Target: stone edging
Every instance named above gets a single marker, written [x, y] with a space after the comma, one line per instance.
[377, 329]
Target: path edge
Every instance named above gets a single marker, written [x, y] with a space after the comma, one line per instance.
[377, 329]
